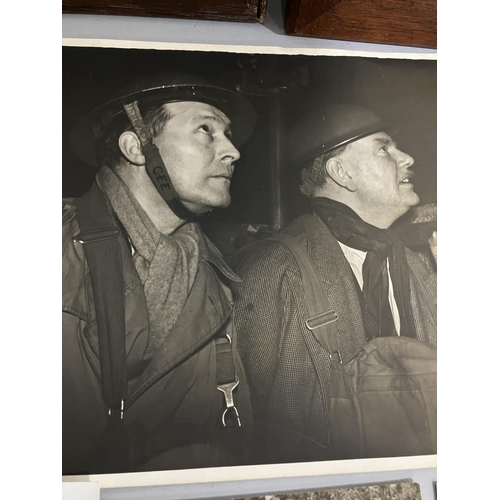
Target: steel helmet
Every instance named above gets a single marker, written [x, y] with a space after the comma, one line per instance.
[324, 128]
[163, 88]
[136, 96]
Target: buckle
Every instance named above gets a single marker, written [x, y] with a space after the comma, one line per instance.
[227, 390]
[111, 411]
[327, 341]
[321, 319]
[221, 340]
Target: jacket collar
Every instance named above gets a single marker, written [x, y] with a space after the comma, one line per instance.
[325, 250]
[210, 253]
[205, 315]
[338, 280]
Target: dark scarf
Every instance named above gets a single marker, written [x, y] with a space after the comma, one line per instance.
[380, 245]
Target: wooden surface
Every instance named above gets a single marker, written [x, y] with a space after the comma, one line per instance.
[217, 10]
[400, 22]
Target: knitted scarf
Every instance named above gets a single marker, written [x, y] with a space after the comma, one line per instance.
[166, 264]
[380, 245]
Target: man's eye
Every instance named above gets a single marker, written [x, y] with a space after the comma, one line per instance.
[205, 128]
[383, 149]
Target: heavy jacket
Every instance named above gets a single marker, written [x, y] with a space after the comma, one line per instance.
[287, 369]
[173, 398]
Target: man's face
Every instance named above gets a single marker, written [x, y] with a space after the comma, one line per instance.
[381, 176]
[198, 153]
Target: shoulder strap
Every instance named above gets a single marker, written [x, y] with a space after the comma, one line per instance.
[99, 237]
[322, 320]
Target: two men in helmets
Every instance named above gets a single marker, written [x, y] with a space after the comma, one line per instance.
[151, 374]
[299, 363]
[155, 374]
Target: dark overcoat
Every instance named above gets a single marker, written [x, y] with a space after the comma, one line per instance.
[287, 369]
[173, 399]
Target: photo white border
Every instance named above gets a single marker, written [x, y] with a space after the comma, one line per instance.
[243, 49]
[250, 472]
[266, 471]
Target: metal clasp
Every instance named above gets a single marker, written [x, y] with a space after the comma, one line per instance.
[227, 390]
[321, 319]
[327, 339]
[122, 405]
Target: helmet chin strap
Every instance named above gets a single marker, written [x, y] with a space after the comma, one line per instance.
[154, 164]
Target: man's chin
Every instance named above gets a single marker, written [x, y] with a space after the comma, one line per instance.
[223, 202]
[411, 199]
[409, 203]
[201, 209]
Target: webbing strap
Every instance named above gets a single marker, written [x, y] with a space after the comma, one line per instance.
[154, 163]
[99, 237]
[137, 122]
[227, 379]
[322, 320]
[225, 371]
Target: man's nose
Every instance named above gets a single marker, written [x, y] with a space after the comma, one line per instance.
[404, 160]
[228, 151]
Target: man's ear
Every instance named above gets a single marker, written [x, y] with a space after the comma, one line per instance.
[337, 171]
[130, 147]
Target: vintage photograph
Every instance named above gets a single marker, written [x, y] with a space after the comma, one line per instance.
[394, 491]
[249, 259]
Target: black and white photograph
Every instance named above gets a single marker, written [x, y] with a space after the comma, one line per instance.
[249, 259]
[394, 491]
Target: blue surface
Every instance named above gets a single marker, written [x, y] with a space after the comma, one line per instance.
[424, 477]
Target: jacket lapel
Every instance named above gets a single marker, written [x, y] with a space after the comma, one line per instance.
[422, 301]
[206, 310]
[204, 313]
[337, 278]
[210, 253]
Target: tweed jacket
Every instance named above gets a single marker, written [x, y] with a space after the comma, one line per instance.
[287, 369]
[174, 396]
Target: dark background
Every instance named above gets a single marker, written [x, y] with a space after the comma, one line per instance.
[280, 87]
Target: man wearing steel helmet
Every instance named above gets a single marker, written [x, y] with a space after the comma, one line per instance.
[359, 184]
[151, 376]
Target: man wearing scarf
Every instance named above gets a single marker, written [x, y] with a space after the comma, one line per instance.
[359, 184]
[166, 150]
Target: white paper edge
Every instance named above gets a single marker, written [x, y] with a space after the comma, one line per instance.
[127, 44]
[241, 473]
[80, 491]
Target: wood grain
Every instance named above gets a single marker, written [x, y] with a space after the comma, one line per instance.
[400, 22]
[216, 10]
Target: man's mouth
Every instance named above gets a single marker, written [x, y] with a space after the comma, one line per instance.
[224, 175]
[406, 179]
